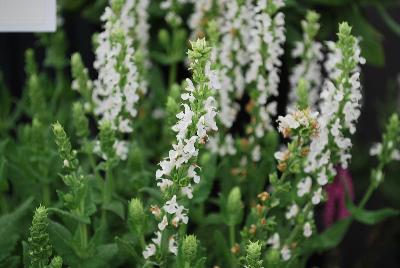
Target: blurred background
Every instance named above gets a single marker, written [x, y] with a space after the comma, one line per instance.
[376, 22]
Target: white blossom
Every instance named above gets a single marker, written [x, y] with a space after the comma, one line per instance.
[149, 251]
[274, 241]
[307, 229]
[317, 196]
[286, 253]
[163, 223]
[304, 187]
[292, 211]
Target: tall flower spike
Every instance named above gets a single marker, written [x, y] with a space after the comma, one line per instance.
[178, 171]
[119, 83]
[308, 51]
[266, 38]
[81, 82]
[388, 150]
[68, 155]
[339, 107]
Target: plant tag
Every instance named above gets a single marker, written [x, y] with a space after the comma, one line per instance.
[27, 15]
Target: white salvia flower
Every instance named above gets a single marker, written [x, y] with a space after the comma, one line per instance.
[157, 239]
[304, 187]
[293, 210]
[287, 122]
[187, 191]
[180, 216]
[171, 206]
[66, 163]
[395, 155]
[149, 251]
[274, 241]
[286, 253]
[192, 174]
[317, 196]
[322, 178]
[163, 223]
[121, 149]
[256, 153]
[173, 245]
[376, 149]
[307, 230]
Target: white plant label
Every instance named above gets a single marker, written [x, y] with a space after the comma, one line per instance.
[27, 15]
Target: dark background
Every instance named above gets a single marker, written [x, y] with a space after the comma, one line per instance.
[363, 246]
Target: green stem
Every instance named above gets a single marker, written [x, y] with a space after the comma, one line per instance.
[232, 235]
[3, 204]
[187, 264]
[46, 195]
[83, 235]
[172, 75]
[367, 195]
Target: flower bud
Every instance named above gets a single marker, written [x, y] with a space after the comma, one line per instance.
[164, 38]
[80, 121]
[136, 215]
[64, 146]
[253, 251]
[56, 262]
[116, 6]
[234, 206]
[189, 248]
[272, 258]
[39, 242]
[36, 96]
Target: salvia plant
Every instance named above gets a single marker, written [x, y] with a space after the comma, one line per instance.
[135, 162]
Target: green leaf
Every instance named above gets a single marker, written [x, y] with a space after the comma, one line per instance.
[328, 239]
[200, 263]
[116, 207]
[371, 217]
[11, 229]
[390, 22]
[103, 256]
[129, 249]
[61, 239]
[222, 249]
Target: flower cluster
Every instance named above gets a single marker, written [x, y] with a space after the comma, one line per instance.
[119, 83]
[178, 171]
[266, 38]
[309, 53]
[319, 142]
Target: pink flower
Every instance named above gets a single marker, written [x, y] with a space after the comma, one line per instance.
[335, 208]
